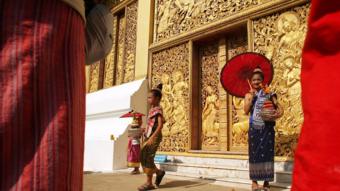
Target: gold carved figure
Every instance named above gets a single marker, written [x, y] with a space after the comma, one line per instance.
[293, 90]
[185, 7]
[165, 15]
[291, 37]
[210, 124]
[241, 123]
[179, 113]
[166, 104]
[177, 16]
[175, 99]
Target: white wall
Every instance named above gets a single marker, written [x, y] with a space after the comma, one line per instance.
[103, 109]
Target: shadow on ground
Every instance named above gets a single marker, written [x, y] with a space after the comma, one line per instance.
[184, 184]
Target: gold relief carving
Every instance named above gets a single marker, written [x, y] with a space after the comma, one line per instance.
[179, 112]
[120, 50]
[280, 37]
[171, 67]
[177, 16]
[210, 118]
[210, 96]
[166, 104]
[125, 49]
[94, 77]
[130, 42]
[110, 60]
[240, 122]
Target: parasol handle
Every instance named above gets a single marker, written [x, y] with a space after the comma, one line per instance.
[249, 84]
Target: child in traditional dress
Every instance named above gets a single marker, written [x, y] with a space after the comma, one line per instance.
[134, 134]
[153, 138]
[261, 132]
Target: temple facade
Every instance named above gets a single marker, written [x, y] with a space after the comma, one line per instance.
[184, 44]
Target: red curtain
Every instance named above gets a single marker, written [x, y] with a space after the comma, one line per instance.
[317, 158]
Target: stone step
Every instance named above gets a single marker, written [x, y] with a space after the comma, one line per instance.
[232, 182]
[220, 162]
[214, 171]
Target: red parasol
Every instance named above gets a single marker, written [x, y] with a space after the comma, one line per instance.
[132, 114]
[236, 73]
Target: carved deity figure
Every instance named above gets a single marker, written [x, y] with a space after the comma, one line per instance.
[179, 113]
[291, 37]
[174, 12]
[293, 85]
[164, 14]
[210, 124]
[185, 7]
[165, 103]
[240, 128]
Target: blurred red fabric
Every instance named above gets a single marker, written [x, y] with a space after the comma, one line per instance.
[42, 96]
[317, 158]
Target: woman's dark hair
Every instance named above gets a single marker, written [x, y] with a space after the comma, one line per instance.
[157, 92]
[259, 73]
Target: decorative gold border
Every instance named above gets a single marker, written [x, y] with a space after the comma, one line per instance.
[191, 105]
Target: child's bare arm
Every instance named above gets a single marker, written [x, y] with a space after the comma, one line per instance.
[158, 130]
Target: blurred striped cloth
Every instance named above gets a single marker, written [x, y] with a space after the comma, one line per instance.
[42, 96]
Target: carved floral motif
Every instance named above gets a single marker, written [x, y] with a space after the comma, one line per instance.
[130, 42]
[120, 50]
[94, 77]
[110, 60]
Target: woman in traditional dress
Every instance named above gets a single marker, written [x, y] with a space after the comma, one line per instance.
[153, 138]
[261, 136]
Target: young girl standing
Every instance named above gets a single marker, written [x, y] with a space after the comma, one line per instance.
[261, 133]
[153, 138]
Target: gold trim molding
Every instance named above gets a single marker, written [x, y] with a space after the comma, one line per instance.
[121, 6]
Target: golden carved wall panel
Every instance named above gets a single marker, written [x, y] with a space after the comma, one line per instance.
[237, 44]
[120, 50]
[94, 77]
[171, 67]
[130, 42]
[173, 17]
[120, 63]
[110, 60]
[208, 56]
[281, 37]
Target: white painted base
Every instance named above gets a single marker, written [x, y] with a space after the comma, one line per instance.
[103, 122]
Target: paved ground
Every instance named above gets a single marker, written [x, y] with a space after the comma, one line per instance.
[127, 182]
[122, 181]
